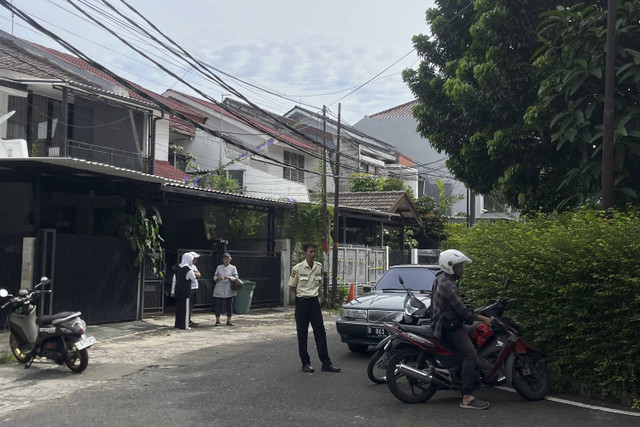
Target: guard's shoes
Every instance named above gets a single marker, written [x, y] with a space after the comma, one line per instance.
[193, 324]
[307, 368]
[328, 367]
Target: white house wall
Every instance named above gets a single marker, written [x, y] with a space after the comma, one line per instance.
[262, 184]
[261, 177]
[401, 133]
[162, 140]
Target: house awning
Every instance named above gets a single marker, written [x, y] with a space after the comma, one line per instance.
[396, 205]
[79, 168]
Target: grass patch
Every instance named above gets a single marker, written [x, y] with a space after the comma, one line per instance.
[6, 358]
[290, 316]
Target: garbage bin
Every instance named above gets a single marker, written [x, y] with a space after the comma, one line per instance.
[242, 301]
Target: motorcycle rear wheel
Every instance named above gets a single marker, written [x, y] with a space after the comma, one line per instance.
[76, 360]
[407, 389]
[20, 356]
[531, 377]
[377, 367]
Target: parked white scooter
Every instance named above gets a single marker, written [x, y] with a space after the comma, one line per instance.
[59, 337]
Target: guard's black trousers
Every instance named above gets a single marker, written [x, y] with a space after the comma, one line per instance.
[308, 311]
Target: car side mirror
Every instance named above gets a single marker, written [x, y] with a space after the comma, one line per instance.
[366, 289]
[3, 293]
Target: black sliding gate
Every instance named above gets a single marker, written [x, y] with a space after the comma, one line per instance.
[266, 272]
[10, 266]
[261, 268]
[92, 274]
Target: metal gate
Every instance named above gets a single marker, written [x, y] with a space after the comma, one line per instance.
[261, 268]
[92, 274]
[153, 283]
[362, 266]
[265, 270]
[10, 265]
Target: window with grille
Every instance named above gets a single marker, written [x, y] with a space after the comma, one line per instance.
[297, 161]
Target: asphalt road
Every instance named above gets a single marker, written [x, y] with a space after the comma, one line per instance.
[261, 384]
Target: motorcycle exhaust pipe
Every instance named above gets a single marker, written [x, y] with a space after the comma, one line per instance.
[414, 373]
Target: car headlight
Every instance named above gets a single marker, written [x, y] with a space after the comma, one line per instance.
[352, 313]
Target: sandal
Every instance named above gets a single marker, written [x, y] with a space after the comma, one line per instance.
[229, 324]
[475, 404]
[217, 324]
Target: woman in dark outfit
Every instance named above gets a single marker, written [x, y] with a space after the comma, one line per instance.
[184, 277]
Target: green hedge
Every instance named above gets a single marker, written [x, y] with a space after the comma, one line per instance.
[575, 278]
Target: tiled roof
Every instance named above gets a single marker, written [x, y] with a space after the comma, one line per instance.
[389, 202]
[383, 201]
[83, 65]
[14, 58]
[286, 138]
[403, 110]
[166, 170]
[182, 126]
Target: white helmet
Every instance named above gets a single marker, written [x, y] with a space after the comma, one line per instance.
[451, 257]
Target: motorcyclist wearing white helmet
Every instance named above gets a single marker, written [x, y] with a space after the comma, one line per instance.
[448, 315]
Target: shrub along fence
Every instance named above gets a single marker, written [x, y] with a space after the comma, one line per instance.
[575, 278]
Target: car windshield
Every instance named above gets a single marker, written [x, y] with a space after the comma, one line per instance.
[416, 279]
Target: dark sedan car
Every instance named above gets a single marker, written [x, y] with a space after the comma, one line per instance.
[361, 321]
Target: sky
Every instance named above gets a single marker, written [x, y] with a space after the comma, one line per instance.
[308, 53]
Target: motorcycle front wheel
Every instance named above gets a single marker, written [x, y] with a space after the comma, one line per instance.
[20, 356]
[531, 377]
[377, 367]
[407, 389]
[76, 360]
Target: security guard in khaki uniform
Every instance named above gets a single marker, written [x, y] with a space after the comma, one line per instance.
[305, 282]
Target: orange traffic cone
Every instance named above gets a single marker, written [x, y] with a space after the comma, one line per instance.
[351, 295]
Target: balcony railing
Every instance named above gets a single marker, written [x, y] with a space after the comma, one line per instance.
[95, 153]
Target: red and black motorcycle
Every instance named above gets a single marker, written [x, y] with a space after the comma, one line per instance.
[423, 364]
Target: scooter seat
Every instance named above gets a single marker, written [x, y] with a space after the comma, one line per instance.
[56, 318]
[422, 330]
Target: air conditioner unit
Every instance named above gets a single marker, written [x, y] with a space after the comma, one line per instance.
[13, 148]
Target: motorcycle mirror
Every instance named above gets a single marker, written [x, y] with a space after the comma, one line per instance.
[44, 280]
[4, 293]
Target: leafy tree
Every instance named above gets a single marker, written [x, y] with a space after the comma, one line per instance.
[432, 213]
[571, 97]
[142, 232]
[217, 180]
[361, 181]
[474, 85]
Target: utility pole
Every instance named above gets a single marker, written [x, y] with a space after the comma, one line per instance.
[325, 224]
[221, 129]
[608, 115]
[336, 215]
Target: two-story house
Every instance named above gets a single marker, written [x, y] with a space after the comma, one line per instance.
[397, 126]
[360, 152]
[286, 166]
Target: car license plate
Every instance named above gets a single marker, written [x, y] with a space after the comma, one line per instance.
[87, 342]
[376, 331]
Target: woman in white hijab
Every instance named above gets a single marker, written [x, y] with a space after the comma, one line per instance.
[184, 278]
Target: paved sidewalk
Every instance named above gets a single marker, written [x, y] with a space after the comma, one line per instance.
[151, 323]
